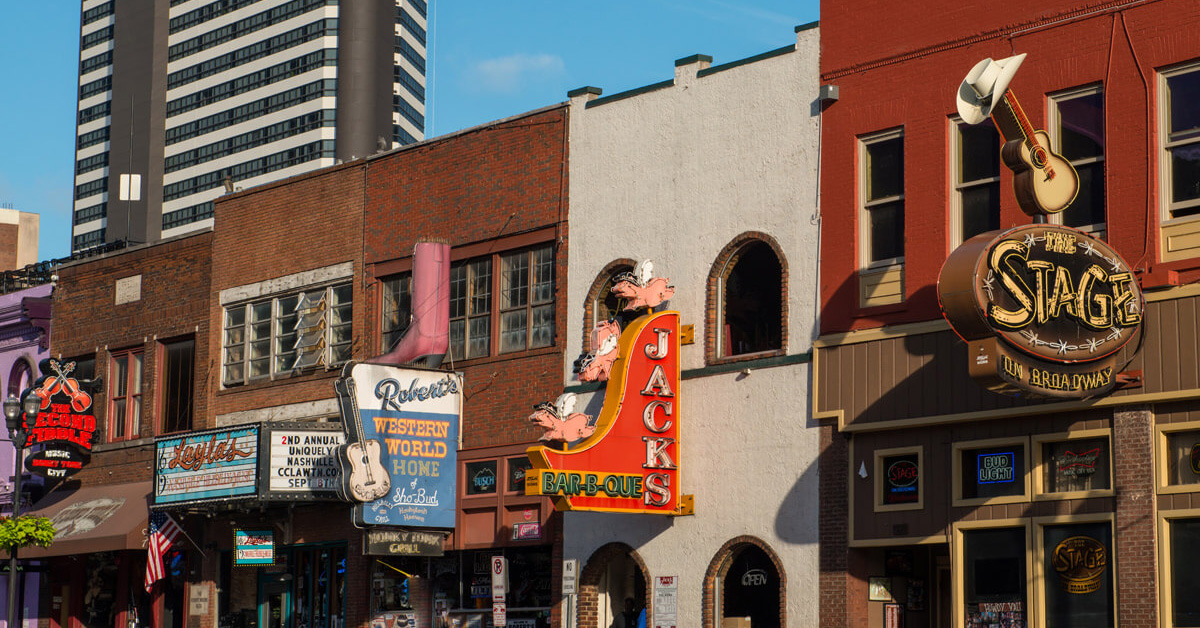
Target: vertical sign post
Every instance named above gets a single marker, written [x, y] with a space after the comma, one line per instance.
[569, 581]
[499, 591]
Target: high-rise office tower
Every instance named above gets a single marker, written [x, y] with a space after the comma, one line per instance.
[192, 96]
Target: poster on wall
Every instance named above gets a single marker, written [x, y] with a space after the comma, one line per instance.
[399, 461]
[204, 466]
[301, 460]
[666, 601]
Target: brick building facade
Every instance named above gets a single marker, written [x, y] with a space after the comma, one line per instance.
[905, 181]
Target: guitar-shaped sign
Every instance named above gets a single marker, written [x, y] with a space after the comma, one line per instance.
[363, 476]
[1043, 181]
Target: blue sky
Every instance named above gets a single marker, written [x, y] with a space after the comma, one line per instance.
[489, 60]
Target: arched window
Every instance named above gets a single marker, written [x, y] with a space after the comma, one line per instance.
[601, 303]
[20, 378]
[612, 588]
[748, 291]
[745, 585]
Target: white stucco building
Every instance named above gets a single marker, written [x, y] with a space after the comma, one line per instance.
[713, 176]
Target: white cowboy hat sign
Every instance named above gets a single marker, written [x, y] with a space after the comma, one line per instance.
[985, 86]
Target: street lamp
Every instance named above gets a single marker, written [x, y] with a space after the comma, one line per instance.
[12, 417]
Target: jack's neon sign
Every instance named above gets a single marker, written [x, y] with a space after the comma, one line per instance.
[630, 463]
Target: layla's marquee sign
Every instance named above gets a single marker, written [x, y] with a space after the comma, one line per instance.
[1044, 309]
[629, 460]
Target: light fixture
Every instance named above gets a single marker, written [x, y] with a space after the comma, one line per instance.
[12, 412]
[32, 404]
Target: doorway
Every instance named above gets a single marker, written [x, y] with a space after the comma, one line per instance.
[274, 602]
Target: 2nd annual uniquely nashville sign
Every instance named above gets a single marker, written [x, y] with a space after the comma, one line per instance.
[1061, 303]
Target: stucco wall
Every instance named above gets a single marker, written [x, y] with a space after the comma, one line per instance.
[674, 175]
[18, 341]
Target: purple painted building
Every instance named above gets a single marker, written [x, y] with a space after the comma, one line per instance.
[24, 342]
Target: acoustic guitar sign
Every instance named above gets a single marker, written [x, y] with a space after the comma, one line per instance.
[399, 461]
[1045, 309]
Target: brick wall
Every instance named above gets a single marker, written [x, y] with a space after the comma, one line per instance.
[486, 186]
[299, 224]
[1135, 541]
[172, 304]
[833, 526]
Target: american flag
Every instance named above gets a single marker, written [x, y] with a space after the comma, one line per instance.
[163, 532]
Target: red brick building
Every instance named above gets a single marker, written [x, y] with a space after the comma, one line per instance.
[313, 272]
[905, 181]
[137, 320]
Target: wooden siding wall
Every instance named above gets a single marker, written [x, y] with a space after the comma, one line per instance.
[924, 376]
[938, 514]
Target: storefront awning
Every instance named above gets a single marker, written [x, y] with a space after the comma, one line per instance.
[94, 519]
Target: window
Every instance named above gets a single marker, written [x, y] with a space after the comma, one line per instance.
[284, 335]
[991, 471]
[1181, 135]
[20, 378]
[1179, 544]
[746, 587]
[1072, 465]
[899, 479]
[603, 303]
[750, 301]
[1077, 120]
[976, 180]
[526, 299]
[397, 309]
[994, 577]
[177, 359]
[882, 193]
[522, 295]
[481, 477]
[1076, 568]
[517, 469]
[124, 394]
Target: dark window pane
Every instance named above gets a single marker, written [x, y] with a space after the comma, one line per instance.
[753, 306]
[750, 588]
[1076, 465]
[979, 149]
[1081, 127]
[397, 309]
[1185, 173]
[901, 479]
[481, 477]
[1184, 90]
[177, 385]
[885, 168]
[517, 468]
[887, 231]
[994, 571]
[1088, 207]
[1078, 582]
[1185, 586]
[993, 471]
[980, 209]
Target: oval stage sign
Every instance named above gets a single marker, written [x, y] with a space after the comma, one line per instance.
[1060, 302]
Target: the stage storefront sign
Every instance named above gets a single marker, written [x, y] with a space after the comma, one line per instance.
[630, 462]
[1045, 310]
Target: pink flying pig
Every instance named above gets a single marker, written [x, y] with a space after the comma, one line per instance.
[597, 365]
[641, 288]
[558, 421]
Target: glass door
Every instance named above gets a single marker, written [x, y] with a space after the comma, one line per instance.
[274, 598]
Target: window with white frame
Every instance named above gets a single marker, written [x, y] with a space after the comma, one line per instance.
[287, 334]
[882, 193]
[976, 179]
[124, 394]
[1077, 122]
[1181, 140]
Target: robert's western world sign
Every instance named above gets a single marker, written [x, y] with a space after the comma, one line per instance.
[1045, 310]
[629, 460]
